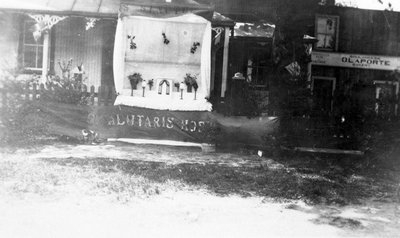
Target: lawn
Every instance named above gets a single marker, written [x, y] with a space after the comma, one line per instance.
[118, 191]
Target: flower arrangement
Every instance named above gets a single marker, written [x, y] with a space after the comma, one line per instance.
[134, 79]
[190, 81]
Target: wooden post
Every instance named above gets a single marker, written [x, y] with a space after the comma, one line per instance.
[45, 60]
[225, 62]
[106, 95]
[27, 89]
[213, 70]
[100, 94]
[92, 94]
[34, 92]
[41, 90]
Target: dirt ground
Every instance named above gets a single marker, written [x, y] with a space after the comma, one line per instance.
[118, 190]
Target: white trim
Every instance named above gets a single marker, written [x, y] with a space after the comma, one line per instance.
[203, 146]
[46, 56]
[225, 62]
[329, 151]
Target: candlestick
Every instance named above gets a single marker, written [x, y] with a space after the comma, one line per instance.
[181, 87]
[143, 86]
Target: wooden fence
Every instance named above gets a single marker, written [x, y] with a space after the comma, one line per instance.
[104, 95]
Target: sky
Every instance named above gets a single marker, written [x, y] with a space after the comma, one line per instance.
[372, 4]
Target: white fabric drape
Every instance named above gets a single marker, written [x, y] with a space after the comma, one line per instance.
[155, 60]
[206, 61]
[119, 57]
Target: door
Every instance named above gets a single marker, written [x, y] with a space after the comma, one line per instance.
[323, 91]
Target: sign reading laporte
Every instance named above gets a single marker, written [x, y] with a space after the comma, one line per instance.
[356, 61]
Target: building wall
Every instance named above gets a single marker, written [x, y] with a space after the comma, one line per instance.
[9, 37]
[367, 31]
[73, 41]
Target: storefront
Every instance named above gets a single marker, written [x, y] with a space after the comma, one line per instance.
[367, 82]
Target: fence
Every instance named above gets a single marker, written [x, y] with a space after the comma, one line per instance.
[105, 95]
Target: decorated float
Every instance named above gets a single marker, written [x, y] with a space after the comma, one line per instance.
[162, 56]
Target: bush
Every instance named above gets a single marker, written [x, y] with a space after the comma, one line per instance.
[65, 90]
[21, 122]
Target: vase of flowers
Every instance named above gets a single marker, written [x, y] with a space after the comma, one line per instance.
[134, 79]
[190, 80]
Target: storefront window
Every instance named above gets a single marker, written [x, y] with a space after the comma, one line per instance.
[326, 32]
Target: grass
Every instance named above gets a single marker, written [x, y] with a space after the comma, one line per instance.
[313, 184]
[53, 180]
[311, 179]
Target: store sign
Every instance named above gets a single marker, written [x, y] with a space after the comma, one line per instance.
[356, 61]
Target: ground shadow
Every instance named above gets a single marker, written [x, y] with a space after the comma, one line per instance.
[308, 181]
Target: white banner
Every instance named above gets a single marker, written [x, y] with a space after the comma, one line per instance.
[356, 61]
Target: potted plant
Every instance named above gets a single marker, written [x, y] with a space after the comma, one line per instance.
[190, 80]
[134, 79]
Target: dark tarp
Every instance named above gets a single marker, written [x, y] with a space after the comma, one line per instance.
[141, 123]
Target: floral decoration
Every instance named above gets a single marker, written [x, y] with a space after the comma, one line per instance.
[166, 41]
[132, 44]
[134, 79]
[194, 47]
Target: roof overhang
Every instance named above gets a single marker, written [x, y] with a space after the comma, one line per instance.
[254, 30]
[105, 8]
[89, 8]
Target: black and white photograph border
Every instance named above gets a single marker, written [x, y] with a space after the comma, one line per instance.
[199, 118]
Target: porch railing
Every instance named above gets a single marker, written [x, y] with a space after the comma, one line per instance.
[104, 95]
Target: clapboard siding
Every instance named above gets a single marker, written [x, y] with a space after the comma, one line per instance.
[367, 31]
[72, 41]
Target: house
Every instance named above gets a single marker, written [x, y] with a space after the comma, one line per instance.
[40, 36]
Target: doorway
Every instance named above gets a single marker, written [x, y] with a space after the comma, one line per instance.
[323, 89]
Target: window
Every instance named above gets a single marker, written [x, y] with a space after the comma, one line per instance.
[32, 50]
[387, 95]
[327, 32]
[258, 67]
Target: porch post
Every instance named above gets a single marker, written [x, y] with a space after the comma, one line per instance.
[45, 60]
[309, 76]
[213, 58]
[225, 62]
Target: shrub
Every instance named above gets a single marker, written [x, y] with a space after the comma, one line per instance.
[65, 90]
[21, 122]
